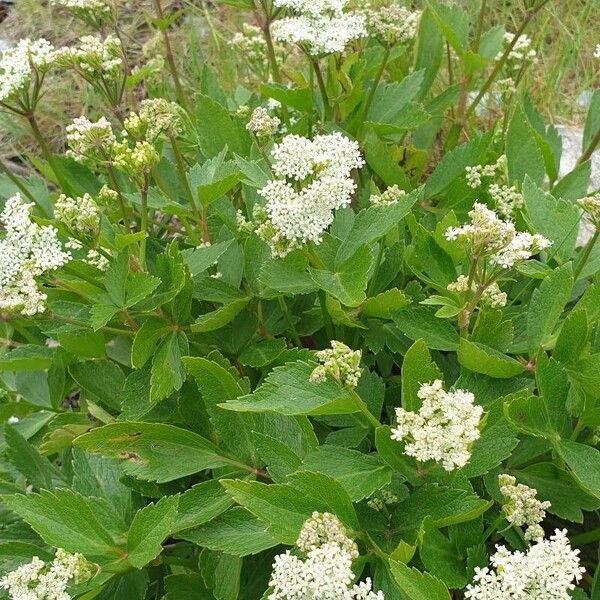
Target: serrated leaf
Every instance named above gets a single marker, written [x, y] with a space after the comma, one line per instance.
[418, 322]
[220, 317]
[148, 449]
[385, 304]
[488, 361]
[29, 357]
[149, 528]
[416, 585]
[200, 504]
[584, 463]
[417, 368]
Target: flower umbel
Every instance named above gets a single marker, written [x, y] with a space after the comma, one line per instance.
[545, 572]
[324, 528]
[27, 251]
[521, 507]
[443, 429]
[38, 580]
[340, 363]
[392, 25]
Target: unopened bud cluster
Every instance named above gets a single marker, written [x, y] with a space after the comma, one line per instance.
[38, 580]
[591, 207]
[492, 296]
[156, 117]
[390, 196]
[474, 174]
[81, 215]
[443, 429]
[547, 571]
[93, 12]
[521, 507]
[94, 57]
[262, 124]
[341, 363]
[326, 571]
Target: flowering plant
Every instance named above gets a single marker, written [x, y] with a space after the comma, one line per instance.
[322, 334]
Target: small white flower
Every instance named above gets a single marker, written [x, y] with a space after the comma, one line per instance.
[262, 124]
[324, 528]
[393, 24]
[444, 428]
[507, 199]
[80, 215]
[545, 572]
[27, 251]
[390, 196]
[591, 206]
[95, 58]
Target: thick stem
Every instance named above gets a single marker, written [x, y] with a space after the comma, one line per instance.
[585, 255]
[170, 58]
[500, 64]
[364, 409]
[144, 222]
[365, 110]
[47, 152]
[322, 87]
[587, 537]
[590, 149]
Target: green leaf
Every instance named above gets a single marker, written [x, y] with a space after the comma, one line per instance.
[279, 458]
[385, 304]
[573, 337]
[200, 504]
[592, 122]
[584, 463]
[65, 519]
[559, 488]
[418, 322]
[391, 99]
[288, 275]
[546, 306]
[483, 359]
[38, 471]
[360, 474]
[236, 532]
[558, 220]
[167, 372]
[300, 98]
[213, 179]
[522, 151]
[200, 259]
[349, 280]
[373, 223]
[280, 506]
[148, 449]
[416, 585]
[146, 339]
[103, 380]
[218, 385]
[531, 415]
[149, 528]
[289, 391]
[29, 357]
[220, 317]
[417, 368]
[439, 555]
[263, 353]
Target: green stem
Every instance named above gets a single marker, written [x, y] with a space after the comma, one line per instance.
[365, 110]
[479, 29]
[117, 188]
[290, 323]
[487, 534]
[585, 255]
[18, 183]
[590, 149]
[170, 58]
[322, 87]
[377, 269]
[182, 170]
[326, 316]
[500, 63]
[364, 409]
[144, 222]
[587, 537]
[579, 427]
[48, 155]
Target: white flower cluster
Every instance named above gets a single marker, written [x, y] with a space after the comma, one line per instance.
[38, 580]
[94, 57]
[443, 430]
[18, 64]
[492, 296]
[341, 363]
[591, 206]
[522, 52]
[545, 572]
[392, 25]
[262, 124]
[321, 169]
[507, 198]
[488, 236]
[521, 507]
[156, 117]
[390, 196]
[597, 51]
[476, 172]
[81, 215]
[322, 27]
[94, 12]
[27, 251]
[326, 572]
[90, 142]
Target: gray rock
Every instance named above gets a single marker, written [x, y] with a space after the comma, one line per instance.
[572, 138]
